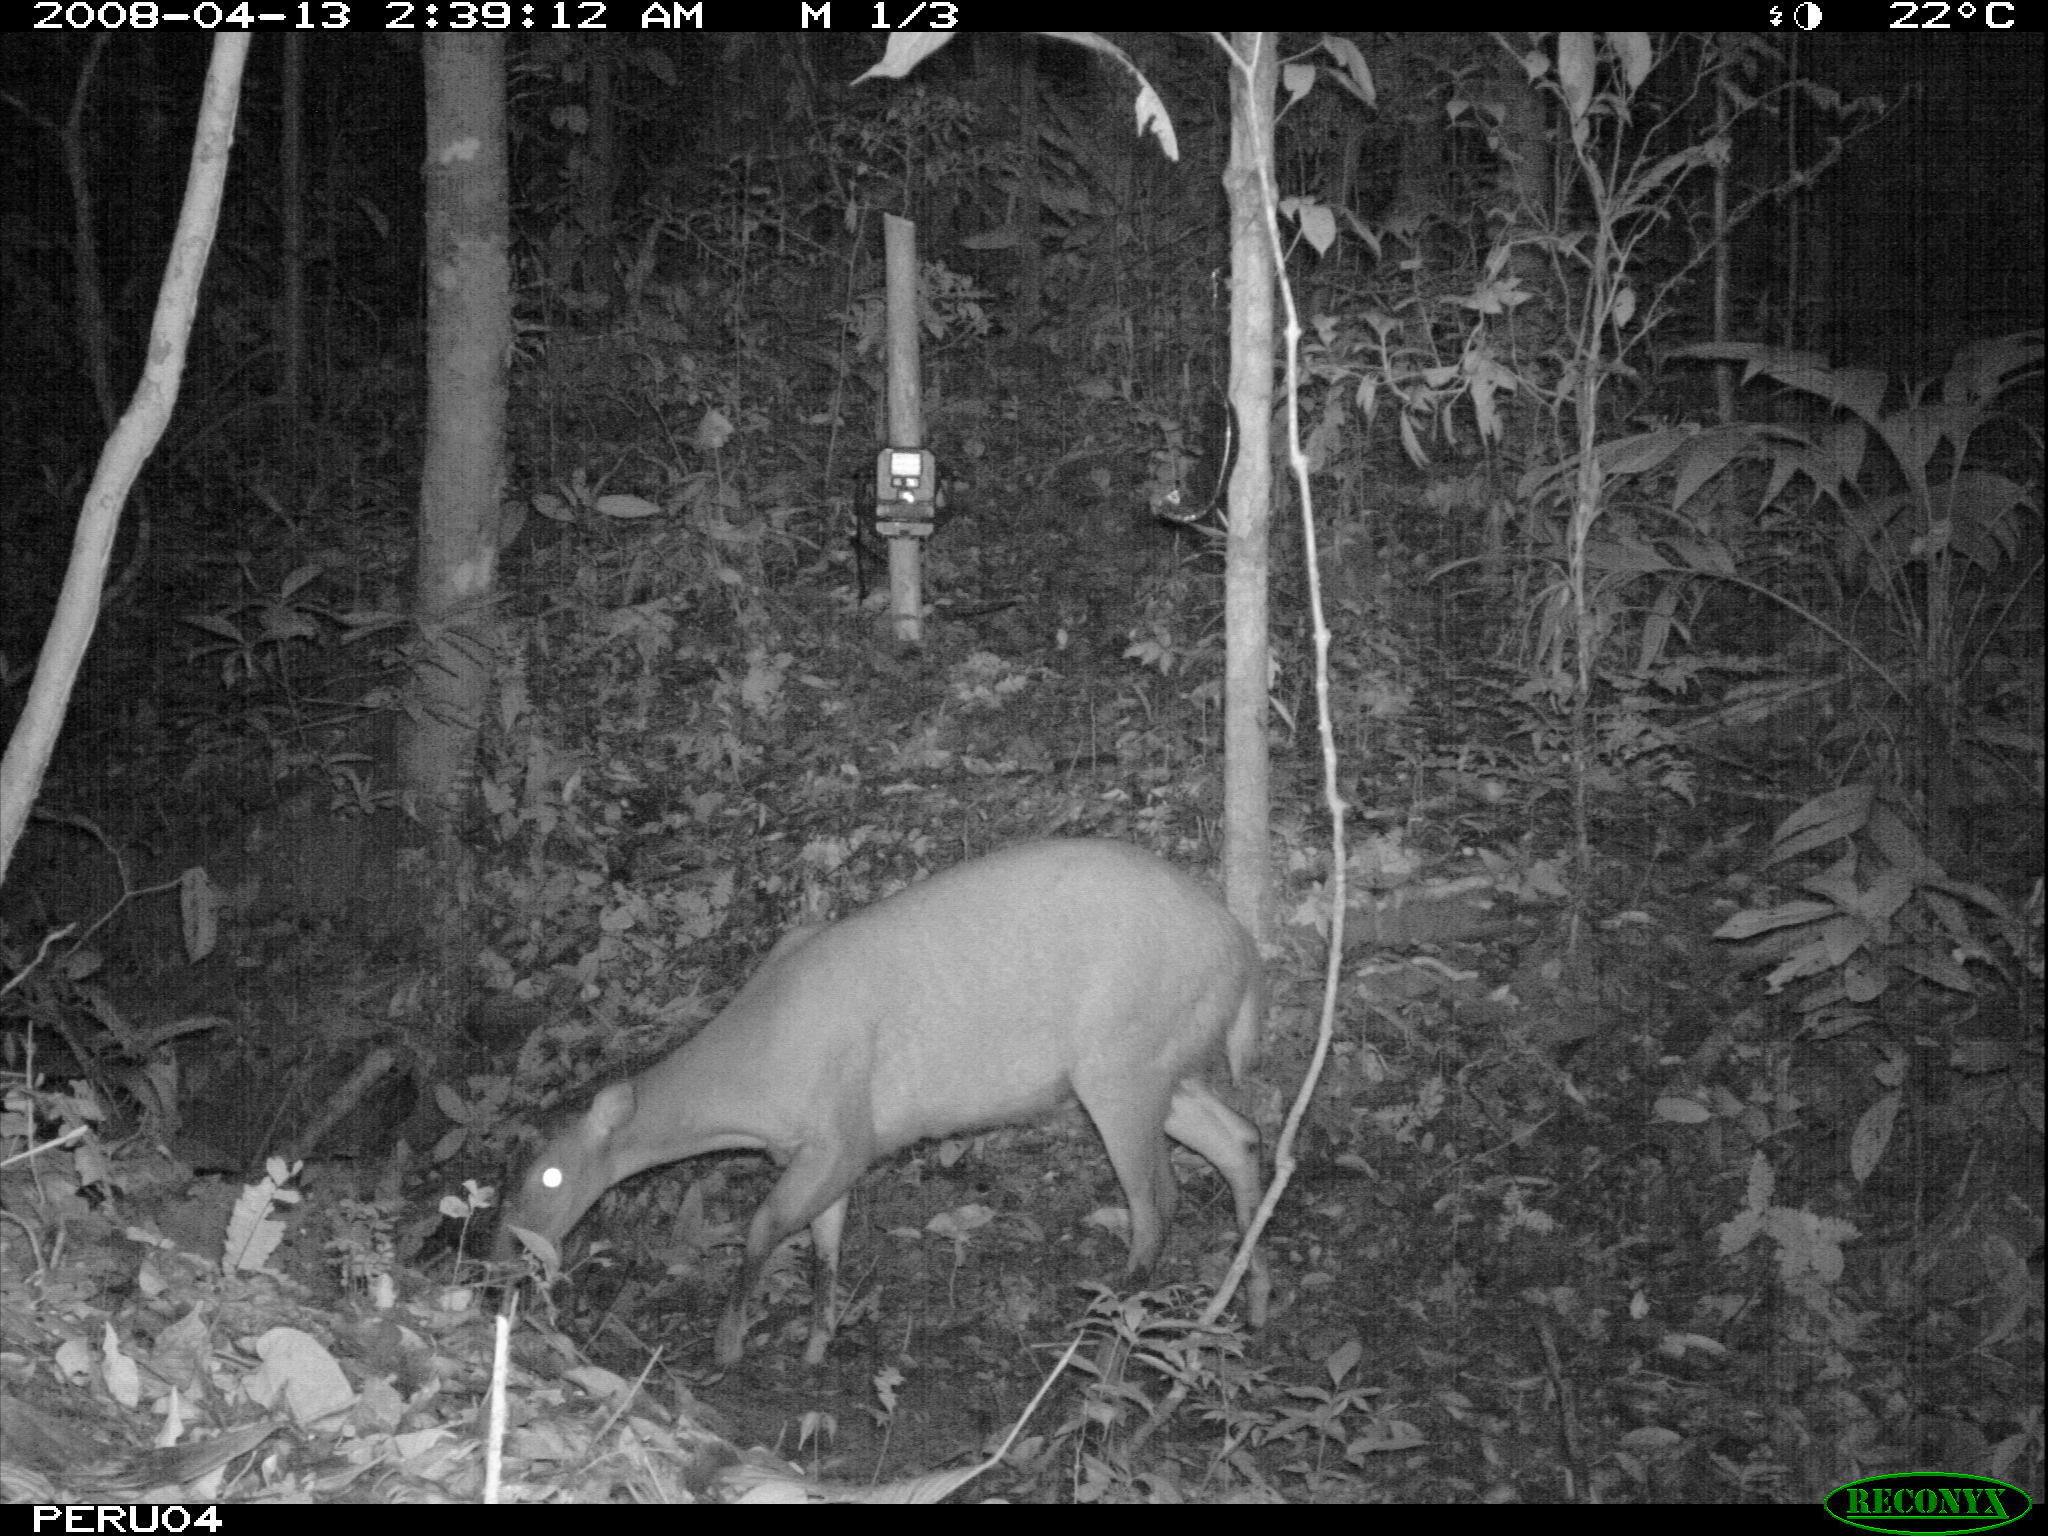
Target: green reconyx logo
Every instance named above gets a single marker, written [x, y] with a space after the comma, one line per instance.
[1934, 1503]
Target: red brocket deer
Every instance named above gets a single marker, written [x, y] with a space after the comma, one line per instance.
[986, 995]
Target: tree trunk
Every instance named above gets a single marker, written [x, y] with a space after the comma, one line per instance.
[469, 334]
[1247, 551]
